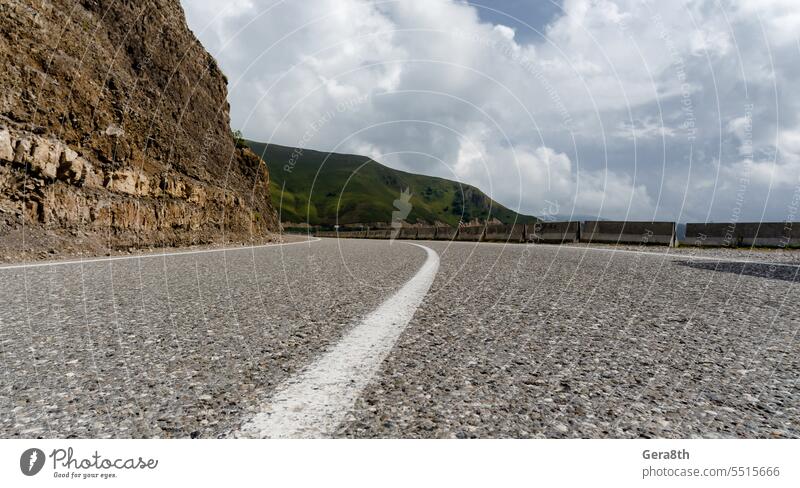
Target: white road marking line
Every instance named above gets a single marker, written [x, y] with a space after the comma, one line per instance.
[152, 255]
[315, 401]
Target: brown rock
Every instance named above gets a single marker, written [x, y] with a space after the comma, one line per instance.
[173, 186]
[129, 181]
[131, 144]
[45, 158]
[22, 151]
[71, 168]
[6, 150]
[197, 195]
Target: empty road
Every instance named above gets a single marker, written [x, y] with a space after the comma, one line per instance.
[359, 338]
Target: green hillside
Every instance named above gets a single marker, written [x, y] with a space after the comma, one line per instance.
[361, 191]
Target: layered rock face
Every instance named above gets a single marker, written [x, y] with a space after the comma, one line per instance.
[114, 133]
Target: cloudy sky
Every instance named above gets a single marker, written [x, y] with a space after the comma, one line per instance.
[684, 110]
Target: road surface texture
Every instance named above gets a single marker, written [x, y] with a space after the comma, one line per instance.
[493, 341]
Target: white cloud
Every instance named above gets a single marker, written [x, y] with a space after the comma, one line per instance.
[623, 109]
[646, 128]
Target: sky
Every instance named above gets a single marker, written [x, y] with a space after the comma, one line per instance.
[620, 109]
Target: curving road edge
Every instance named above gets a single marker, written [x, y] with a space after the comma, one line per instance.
[315, 401]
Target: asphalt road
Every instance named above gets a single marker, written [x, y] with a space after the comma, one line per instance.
[504, 341]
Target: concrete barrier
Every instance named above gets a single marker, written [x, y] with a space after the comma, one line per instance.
[427, 233]
[353, 234]
[643, 233]
[504, 233]
[553, 232]
[743, 234]
[379, 233]
[471, 233]
[407, 233]
[342, 234]
[446, 233]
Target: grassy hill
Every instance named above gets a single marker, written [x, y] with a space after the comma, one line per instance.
[321, 186]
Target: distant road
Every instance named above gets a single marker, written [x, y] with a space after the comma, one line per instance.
[494, 341]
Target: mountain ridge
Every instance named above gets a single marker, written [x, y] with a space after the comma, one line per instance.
[323, 188]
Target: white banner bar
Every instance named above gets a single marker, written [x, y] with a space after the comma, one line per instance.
[400, 463]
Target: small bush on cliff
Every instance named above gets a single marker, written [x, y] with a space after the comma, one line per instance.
[239, 139]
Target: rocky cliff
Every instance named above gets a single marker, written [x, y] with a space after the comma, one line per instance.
[114, 133]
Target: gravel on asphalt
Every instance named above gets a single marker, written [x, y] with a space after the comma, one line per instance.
[180, 346]
[548, 341]
[511, 341]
